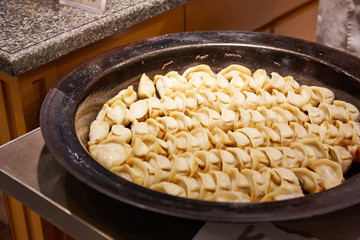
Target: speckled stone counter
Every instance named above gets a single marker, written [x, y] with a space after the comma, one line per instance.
[34, 32]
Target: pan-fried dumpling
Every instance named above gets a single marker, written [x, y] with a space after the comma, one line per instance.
[169, 123]
[299, 98]
[239, 182]
[244, 118]
[184, 164]
[271, 138]
[319, 149]
[329, 171]
[261, 79]
[348, 111]
[127, 172]
[235, 70]
[233, 136]
[140, 149]
[285, 114]
[259, 159]
[310, 181]
[277, 82]
[164, 85]
[206, 117]
[274, 155]
[191, 97]
[154, 144]
[204, 139]
[251, 100]
[300, 116]
[190, 185]
[291, 159]
[303, 156]
[208, 160]
[127, 96]
[285, 132]
[228, 160]
[257, 184]
[182, 142]
[254, 135]
[159, 168]
[138, 110]
[169, 188]
[346, 133]
[207, 185]
[237, 99]
[341, 156]
[265, 98]
[356, 132]
[123, 132]
[291, 84]
[278, 97]
[317, 115]
[146, 87]
[227, 119]
[299, 131]
[222, 181]
[257, 119]
[118, 113]
[221, 81]
[99, 130]
[281, 184]
[202, 70]
[221, 139]
[109, 154]
[329, 134]
[240, 139]
[179, 101]
[322, 95]
[140, 129]
[155, 107]
[242, 157]
[222, 100]
[331, 112]
[154, 128]
[313, 130]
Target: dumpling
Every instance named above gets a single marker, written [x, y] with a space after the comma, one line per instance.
[329, 171]
[109, 154]
[341, 156]
[146, 87]
[169, 188]
[190, 185]
[309, 180]
[99, 130]
[233, 136]
[257, 184]
[281, 184]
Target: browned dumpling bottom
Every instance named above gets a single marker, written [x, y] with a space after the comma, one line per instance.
[234, 136]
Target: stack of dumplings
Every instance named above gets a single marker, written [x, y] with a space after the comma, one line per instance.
[234, 136]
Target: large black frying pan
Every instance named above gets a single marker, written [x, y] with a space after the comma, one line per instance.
[73, 102]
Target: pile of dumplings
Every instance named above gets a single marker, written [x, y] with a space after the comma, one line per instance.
[234, 136]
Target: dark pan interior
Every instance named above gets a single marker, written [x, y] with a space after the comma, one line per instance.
[74, 102]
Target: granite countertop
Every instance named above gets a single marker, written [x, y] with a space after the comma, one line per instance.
[34, 32]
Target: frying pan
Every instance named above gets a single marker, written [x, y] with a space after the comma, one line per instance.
[74, 101]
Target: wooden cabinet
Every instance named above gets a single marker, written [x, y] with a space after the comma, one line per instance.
[295, 18]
